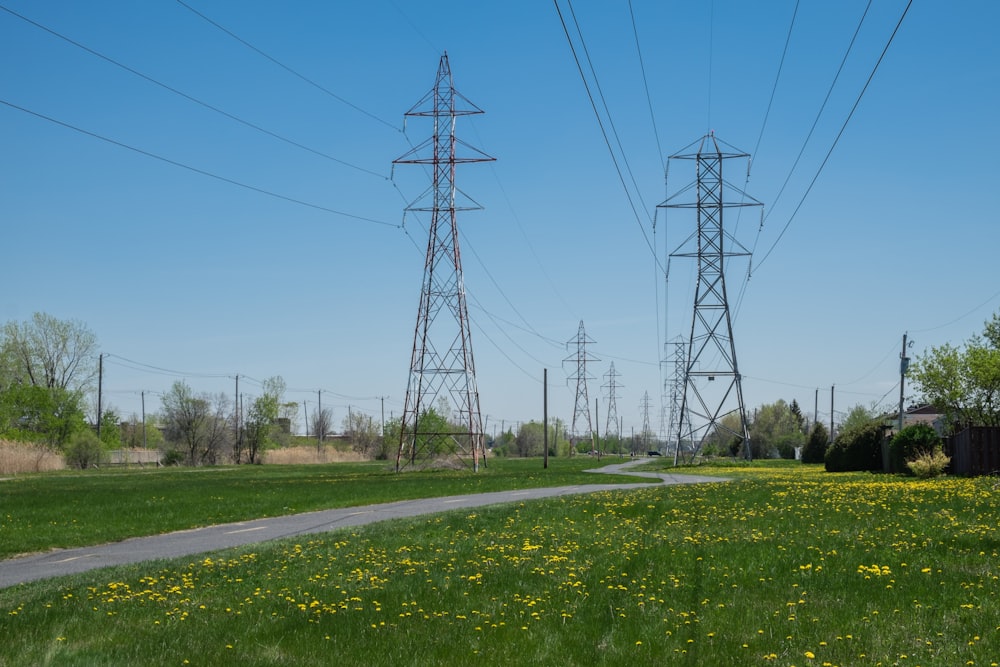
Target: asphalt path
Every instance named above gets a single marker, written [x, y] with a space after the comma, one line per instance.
[182, 543]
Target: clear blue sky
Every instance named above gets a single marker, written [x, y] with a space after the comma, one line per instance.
[185, 272]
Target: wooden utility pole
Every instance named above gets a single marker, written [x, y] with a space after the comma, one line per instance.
[100, 386]
[545, 416]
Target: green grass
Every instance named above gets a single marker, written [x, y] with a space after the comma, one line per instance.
[786, 565]
[68, 509]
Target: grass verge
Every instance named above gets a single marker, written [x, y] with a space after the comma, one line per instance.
[786, 566]
[82, 508]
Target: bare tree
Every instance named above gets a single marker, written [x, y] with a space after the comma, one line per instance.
[48, 352]
[363, 433]
[322, 422]
[197, 423]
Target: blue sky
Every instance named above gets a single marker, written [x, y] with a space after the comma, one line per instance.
[198, 278]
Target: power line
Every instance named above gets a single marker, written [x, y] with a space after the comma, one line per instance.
[604, 134]
[839, 134]
[645, 85]
[286, 67]
[819, 113]
[196, 170]
[195, 100]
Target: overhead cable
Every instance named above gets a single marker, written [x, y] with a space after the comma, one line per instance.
[286, 67]
[839, 135]
[196, 170]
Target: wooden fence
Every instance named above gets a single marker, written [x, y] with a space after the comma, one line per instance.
[974, 451]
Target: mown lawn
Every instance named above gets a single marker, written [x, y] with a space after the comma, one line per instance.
[65, 509]
[783, 566]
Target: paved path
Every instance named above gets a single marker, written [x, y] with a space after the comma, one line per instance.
[213, 538]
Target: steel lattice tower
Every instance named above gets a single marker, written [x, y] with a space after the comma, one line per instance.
[441, 366]
[581, 409]
[713, 387]
[644, 409]
[612, 385]
[676, 395]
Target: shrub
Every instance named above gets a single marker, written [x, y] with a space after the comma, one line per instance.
[909, 443]
[929, 463]
[815, 448]
[857, 449]
[84, 450]
[173, 457]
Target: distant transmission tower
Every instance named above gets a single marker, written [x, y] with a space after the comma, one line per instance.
[713, 387]
[581, 409]
[644, 406]
[676, 392]
[612, 385]
[442, 371]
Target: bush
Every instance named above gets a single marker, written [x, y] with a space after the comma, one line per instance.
[929, 463]
[173, 457]
[815, 448]
[857, 449]
[909, 443]
[84, 450]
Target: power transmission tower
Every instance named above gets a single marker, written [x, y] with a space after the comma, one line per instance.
[644, 409]
[676, 395]
[612, 385]
[713, 387]
[442, 370]
[581, 409]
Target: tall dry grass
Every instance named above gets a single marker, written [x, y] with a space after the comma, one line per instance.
[298, 455]
[21, 457]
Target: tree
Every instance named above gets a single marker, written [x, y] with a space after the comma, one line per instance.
[814, 450]
[858, 418]
[530, 440]
[46, 366]
[261, 427]
[322, 422]
[777, 430]
[363, 433]
[725, 438]
[111, 432]
[963, 383]
[48, 352]
[136, 435]
[52, 416]
[196, 423]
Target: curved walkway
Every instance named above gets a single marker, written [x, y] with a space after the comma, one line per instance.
[223, 536]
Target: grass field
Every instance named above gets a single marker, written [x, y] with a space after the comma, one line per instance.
[81, 508]
[785, 565]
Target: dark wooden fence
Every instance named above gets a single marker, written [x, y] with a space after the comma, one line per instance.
[974, 451]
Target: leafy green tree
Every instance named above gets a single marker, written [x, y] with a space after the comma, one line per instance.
[777, 430]
[261, 428]
[38, 413]
[963, 383]
[725, 438]
[858, 418]
[111, 432]
[530, 440]
[505, 443]
[814, 450]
